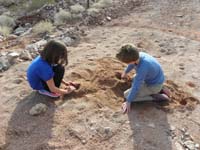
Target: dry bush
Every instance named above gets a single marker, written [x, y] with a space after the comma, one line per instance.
[6, 21]
[93, 11]
[62, 17]
[102, 4]
[7, 3]
[43, 27]
[36, 4]
[76, 9]
[5, 31]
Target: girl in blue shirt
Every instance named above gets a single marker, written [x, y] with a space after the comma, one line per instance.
[45, 73]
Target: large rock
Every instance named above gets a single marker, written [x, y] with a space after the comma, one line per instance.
[38, 109]
[4, 63]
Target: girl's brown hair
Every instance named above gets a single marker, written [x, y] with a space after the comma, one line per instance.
[55, 52]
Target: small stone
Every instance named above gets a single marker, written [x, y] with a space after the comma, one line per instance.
[38, 109]
[83, 141]
[151, 125]
[172, 128]
[107, 130]
[108, 18]
[197, 146]
[25, 55]
[17, 81]
[190, 144]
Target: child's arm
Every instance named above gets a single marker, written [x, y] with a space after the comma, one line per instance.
[55, 89]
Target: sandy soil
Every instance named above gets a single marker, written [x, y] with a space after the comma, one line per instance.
[91, 118]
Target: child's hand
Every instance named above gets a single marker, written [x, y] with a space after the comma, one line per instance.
[69, 89]
[126, 107]
[124, 76]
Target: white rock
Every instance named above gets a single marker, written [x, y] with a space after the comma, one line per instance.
[13, 54]
[38, 109]
[25, 55]
[190, 144]
[152, 125]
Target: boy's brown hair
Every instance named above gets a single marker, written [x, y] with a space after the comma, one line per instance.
[128, 53]
[55, 52]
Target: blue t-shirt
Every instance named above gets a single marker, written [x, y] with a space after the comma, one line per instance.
[148, 71]
[38, 71]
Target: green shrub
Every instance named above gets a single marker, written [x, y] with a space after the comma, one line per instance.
[62, 17]
[43, 27]
[5, 31]
[76, 9]
[36, 4]
[6, 21]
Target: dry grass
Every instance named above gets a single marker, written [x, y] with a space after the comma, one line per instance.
[76, 9]
[43, 27]
[62, 17]
[102, 4]
[5, 31]
[6, 21]
[36, 4]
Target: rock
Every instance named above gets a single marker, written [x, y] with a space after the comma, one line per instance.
[12, 37]
[108, 18]
[4, 63]
[179, 146]
[17, 81]
[151, 125]
[189, 144]
[25, 55]
[197, 146]
[68, 41]
[19, 31]
[172, 128]
[38, 109]
[107, 130]
[83, 141]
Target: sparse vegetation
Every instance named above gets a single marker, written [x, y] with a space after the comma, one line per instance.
[92, 11]
[76, 9]
[5, 31]
[62, 17]
[102, 4]
[43, 27]
[6, 21]
[35, 4]
[6, 3]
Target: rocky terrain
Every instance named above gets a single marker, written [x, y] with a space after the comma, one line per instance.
[91, 117]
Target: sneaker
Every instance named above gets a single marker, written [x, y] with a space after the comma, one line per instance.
[160, 97]
[50, 94]
[165, 91]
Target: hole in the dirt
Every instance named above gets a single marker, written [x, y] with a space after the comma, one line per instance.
[183, 102]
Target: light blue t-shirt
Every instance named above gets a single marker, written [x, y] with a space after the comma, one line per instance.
[38, 71]
[148, 71]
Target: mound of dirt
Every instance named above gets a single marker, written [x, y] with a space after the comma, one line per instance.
[103, 80]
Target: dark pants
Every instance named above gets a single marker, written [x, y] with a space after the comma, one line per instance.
[59, 71]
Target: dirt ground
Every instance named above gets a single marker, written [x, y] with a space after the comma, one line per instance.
[91, 118]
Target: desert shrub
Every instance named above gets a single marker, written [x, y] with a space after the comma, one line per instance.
[43, 27]
[36, 4]
[6, 21]
[5, 31]
[76, 9]
[92, 11]
[102, 4]
[7, 3]
[76, 16]
[62, 17]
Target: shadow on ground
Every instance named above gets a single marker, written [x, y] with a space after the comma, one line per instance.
[26, 132]
[150, 127]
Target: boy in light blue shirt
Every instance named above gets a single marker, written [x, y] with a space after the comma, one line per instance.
[149, 78]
